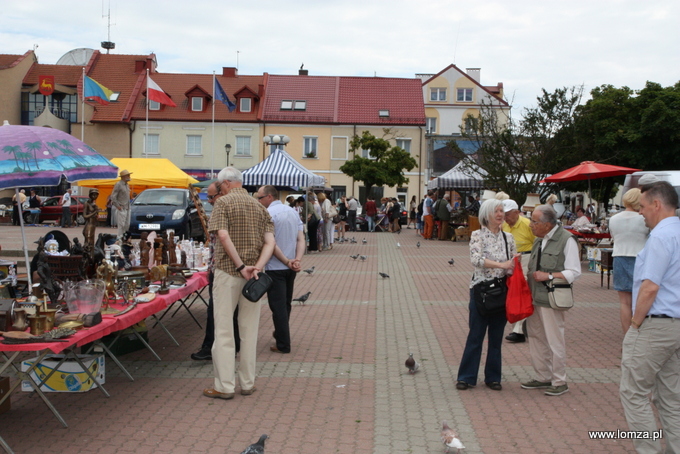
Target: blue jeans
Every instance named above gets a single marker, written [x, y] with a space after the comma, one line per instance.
[371, 223]
[472, 355]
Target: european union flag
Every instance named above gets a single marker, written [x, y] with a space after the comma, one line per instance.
[220, 95]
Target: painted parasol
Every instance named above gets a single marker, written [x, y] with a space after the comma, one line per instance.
[39, 156]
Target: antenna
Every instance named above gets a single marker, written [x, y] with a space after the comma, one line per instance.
[455, 46]
[108, 45]
[237, 52]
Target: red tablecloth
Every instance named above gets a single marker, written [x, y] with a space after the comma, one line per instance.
[593, 236]
[112, 324]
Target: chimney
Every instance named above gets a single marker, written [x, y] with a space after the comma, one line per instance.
[474, 73]
[229, 71]
[303, 72]
[140, 66]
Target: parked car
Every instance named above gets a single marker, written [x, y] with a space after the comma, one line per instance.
[165, 208]
[51, 209]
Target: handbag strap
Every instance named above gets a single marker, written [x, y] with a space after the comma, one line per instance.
[507, 253]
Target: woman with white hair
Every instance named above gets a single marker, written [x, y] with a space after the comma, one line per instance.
[492, 252]
[629, 234]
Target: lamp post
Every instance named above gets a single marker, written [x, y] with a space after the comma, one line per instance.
[275, 140]
[227, 148]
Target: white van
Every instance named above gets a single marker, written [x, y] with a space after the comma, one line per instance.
[671, 176]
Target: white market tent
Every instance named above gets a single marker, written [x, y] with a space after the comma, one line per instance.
[281, 169]
[464, 175]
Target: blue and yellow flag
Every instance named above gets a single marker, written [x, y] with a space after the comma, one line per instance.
[220, 95]
[94, 91]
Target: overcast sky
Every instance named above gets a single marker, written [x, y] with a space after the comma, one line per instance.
[526, 44]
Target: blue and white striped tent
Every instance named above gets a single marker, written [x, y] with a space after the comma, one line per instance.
[281, 169]
[464, 175]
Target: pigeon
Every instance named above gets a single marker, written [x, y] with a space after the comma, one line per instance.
[258, 448]
[398, 245]
[353, 240]
[302, 298]
[412, 364]
[310, 271]
[364, 241]
[418, 244]
[450, 438]
[354, 256]
[384, 275]
[451, 262]
[363, 257]
[399, 232]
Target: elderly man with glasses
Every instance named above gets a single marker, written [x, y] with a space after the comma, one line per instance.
[245, 232]
[555, 254]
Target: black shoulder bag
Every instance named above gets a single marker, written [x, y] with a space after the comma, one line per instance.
[490, 295]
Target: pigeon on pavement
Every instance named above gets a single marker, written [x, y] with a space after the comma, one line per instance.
[353, 240]
[450, 438]
[256, 448]
[451, 262]
[399, 232]
[301, 299]
[364, 241]
[354, 256]
[310, 271]
[384, 275]
[412, 364]
[418, 244]
[363, 257]
[398, 245]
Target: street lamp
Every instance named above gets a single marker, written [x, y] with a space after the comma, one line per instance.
[276, 139]
[227, 148]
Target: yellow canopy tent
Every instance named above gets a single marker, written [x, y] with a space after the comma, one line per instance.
[146, 173]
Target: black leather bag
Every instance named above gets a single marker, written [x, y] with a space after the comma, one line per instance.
[256, 288]
[490, 297]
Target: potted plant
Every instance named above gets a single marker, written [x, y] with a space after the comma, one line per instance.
[310, 154]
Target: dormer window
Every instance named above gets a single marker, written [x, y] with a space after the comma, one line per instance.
[197, 104]
[154, 105]
[245, 104]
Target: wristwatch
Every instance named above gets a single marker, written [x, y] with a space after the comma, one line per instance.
[238, 270]
[550, 276]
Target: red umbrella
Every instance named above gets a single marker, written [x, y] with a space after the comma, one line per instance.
[587, 170]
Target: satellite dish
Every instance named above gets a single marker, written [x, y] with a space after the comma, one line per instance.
[76, 57]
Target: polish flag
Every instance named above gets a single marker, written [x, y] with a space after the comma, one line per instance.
[156, 93]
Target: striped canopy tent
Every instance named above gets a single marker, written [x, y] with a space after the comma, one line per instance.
[464, 175]
[281, 169]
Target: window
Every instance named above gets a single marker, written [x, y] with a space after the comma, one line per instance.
[300, 105]
[286, 105]
[114, 96]
[154, 105]
[61, 105]
[194, 145]
[471, 123]
[437, 94]
[242, 145]
[310, 147]
[245, 104]
[464, 95]
[384, 113]
[367, 154]
[431, 125]
[404, 144]
[152, 144]
[197, 104]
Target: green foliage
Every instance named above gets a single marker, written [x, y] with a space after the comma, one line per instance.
[387, 167]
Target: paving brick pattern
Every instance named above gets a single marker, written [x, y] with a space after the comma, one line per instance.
[344, 388]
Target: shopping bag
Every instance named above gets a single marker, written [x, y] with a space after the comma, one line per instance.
[519, 303]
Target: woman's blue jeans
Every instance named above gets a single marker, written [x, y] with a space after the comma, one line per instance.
[472, 355]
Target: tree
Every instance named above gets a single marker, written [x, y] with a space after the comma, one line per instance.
[516, 155]
[386, 165]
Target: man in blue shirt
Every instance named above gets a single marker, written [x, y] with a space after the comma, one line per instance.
[651, 348]
[284, 264]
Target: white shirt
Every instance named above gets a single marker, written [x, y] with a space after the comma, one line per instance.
[572, 257]
[287, 224]
[66, 200]
[629, 233]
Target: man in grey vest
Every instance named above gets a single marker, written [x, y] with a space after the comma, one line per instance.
[555, 254]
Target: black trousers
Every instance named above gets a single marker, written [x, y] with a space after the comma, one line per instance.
[352, 220]
[280, 296]
[210, 323]
[311, 231]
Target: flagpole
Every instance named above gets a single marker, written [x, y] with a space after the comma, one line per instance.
[212, 164]
[146, 132]
[82, 112]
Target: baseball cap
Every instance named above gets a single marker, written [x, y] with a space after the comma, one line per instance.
[509, 205]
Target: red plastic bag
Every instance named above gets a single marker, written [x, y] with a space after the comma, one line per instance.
[519, 303]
